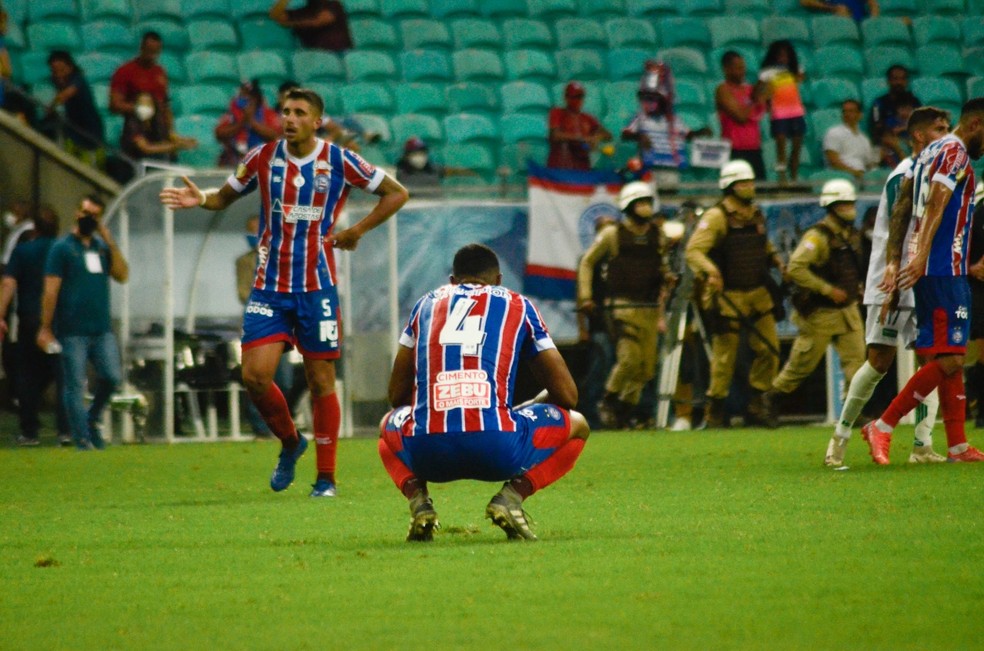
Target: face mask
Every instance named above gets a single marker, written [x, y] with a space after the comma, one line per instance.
[846, 212]
[417, 160]
[9, 219]
[144, 112]
[87, 225]
[253, 241]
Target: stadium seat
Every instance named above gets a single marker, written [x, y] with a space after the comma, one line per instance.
[839, 61]
[832, 91]
[34, 68]
[974, 60]
[700, 7]
[871, 89]
[630, 32]
[42, 11]
[477, 65]
[177, 71]
[108, 37]
[975, 87]
[972, 29]
[425, 34]
[627, 63]
[374, 34]
[580, 64]
[201, 127]
[525, 33]
[936, 91]
[376, 124]
[936, 30]
[169, 10]
[470, 127]
[880, 59]
[689, 32]
[885, 31]
[425, 65]
[530, 65]
[684, 60]
[835, 30]
[690, 96]
[317, 65]
[594, 97]
[504, 9]
[758, 9]
[423, 98]
[937, 60]
[269, 67]
[472, 98]
[515, 156]
[369, 65]
[580, 33]
[445, 9]
[252, 9]
[552, 10]
[201, 100]
[264, 34]
[475, 32]
[106, 10]
[15, 39]
[821, 120]
[752, 54]
[97, 66]
[329, 95]
[404, 8]
[733, 30]
[944, 7]
[601, 9]
[652, 8]
[790, 28]
[100, 95]
[620, 99]
[362, 8]
[409, 125]
[902, 8]
[196, 9]
[212, 36]
[366, 97]
[523, 127]
[54, 34]
[473, 156]
[525, 97]
[174, 37]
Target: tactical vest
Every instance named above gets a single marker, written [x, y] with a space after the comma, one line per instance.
[741, 255]
[636, 272]
[842, 270]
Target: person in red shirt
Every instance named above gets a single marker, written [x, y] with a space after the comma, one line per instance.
[573, 134]
[319, 24]
[248, 123]
[141, 74]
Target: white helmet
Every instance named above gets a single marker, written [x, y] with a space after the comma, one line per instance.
[635, 190]
[734, 171]
[836, 190]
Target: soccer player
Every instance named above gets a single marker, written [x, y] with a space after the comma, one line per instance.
[925, 125]
[452, 391]
[939, 194]
[304, 182]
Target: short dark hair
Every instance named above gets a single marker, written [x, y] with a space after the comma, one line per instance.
[61, 55]
[975, 105]
[151, 35]
[309, 96]
[894, 67]
[474, 260]
[851, 100]
[46, 222]
[925, 116]
[729, 56]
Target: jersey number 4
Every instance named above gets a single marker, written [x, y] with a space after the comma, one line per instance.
[462, 329]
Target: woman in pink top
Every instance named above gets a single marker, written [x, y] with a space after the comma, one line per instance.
[780, 78]
[739, 108]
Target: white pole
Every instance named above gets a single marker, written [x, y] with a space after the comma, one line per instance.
[394, 286]
[168, 305]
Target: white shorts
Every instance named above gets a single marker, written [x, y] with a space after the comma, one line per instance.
[899, 327]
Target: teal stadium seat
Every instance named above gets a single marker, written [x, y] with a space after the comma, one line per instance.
[939, 60]
[525, 97]
[975, 87]
[594, 97]
[936, 30]
[34, 68]
[106, 10]
[821, 120]
[269, 67]
[100, 95]
[580, 32]
[201, 100]
[264, 34]
[839, 61]
[972, 30]
[377, 124]
[363, 8]
[790, 28]
[552, 10]
[366, 97]
[177, 71]
[727, 31]
[54, 34]
[523, 127]
[212, 68]
[425, 65]
[504, 9]
[473, 156]
[757, 9]
[425, 34]
[690, 96]
[900, 8]
[317, 65]
[169, 10]
[879, 59]
[627, 63]
[369, 65]
[684, 32]
[943, 7]
[197, 9]
[620, 99]
[871, 89]
[885, 31]
[113, 129]
[15, 39]
[526, 33]
[409, 125]
[581, 64]
[41, 11]
[477, 65]
[515, 156]
[404, 8]
[475, 33]
[251, 9]
[832, 91]
[174, 37]
[470, 127]
[940, 92]
[212, 36]
[652, 8]
[446, 9]
[202, 127]
[835, 30]
[601, 9]
[974, 60]
[374, 34]
[98, 67]
[419, 97]
[530, 65]
[630, 32]
[700, 7]
[328, 94]
[472, 98]
[684, 60]
[108, 37]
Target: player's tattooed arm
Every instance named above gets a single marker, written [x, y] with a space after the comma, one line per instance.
[898, 222]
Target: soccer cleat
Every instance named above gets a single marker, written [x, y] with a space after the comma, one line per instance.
[27, 441]
[968, 455]
[506, 512]
[925, 454]
[96, 437]
[423, 518]
[878, 442]
[283, 474]
[65, 440]
[681, 424]
[835, 452]
[322, 488]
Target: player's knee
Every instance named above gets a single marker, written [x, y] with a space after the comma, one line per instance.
[257, 384]
[951, 363]
[579, 426]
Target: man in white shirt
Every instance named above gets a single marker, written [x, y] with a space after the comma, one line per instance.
[845, 147]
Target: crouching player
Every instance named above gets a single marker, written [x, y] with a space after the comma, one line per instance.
[452, 390]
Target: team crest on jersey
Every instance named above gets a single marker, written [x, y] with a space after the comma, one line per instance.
[957, 336]
[321, 183]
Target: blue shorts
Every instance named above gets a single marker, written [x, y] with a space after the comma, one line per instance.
[789, 127]
[943, 314]
[484, 456]
[308, 320]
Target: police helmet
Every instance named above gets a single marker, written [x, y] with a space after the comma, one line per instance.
[836, 190]
[632, 191]
[734, 171]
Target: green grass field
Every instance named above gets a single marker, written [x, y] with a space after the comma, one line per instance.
[734, 539]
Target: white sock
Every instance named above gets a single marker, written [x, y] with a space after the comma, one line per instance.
[959, 448]
[924, 428]
[883, 426]
[858, 394]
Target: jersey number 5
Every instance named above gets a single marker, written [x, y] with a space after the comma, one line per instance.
[463, 330]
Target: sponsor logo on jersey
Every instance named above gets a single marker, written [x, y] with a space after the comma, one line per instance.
[462, 389]
[322, 166]
[364, 165]
[253, 307]
[278, 162]
[293, 214]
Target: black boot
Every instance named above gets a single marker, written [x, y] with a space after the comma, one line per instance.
[770, 408]
[715, 413]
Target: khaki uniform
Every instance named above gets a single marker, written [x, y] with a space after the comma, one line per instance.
[754, 304]
[825, 324]
[635, 327]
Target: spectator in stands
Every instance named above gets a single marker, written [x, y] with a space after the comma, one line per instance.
[141, 74]
[890, 115]
[572, 133]
[740, 106]
[84, 134]
[18, 221]
[846, 147]
[147, 134]
[319, 24]
[417, 171]
[856, 9]
[779, 79]
[248, 123]
[6, 68]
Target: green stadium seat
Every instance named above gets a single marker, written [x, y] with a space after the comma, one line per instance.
[630, 32]
[251, 9]
[525, 97]
[690, 96]
[377, 124]
[113, 128]
[652, 8]
[974, 60]
[580, 32]
[880, 59]
[420, 97]
[15, 39]
[108, 37]
[264, 34]
[936, 30]
[404, 8]
[41, 11]
[938, 60]
[975, 87]
[523, 127]
[871, 89]
[832, 91]
[374, 34]
[972, 29]
[470, 127]
[97, 66]
[733, 30]
[174, 37]
[822, 119]
[477, 65]
[425, 65]
[616, 121]
[363, 8]
[328, 94]
[169, 10]
[409, 125]
[835, 30]
[839, 61]
[601, 9]
[515, 155]
[757, 9]
[627, 63]
[454, 8]
[684, 32]
[196, 9]
[54, 34]
[472, 156]
[201, 127]
[530, 65]
[201, 100]
[100, 95]
[369, 65]
[552, 10]
[366, 97]
[580, 64]
[317, 65]
[212, 68]
[526, 33]
[594, 97]
[212, 36]
[475, 32]
[885, 31]
[940, 92]
[943, 7]
[425, 34]
[177, 71]
[503, 9]
[790, 28]
[620, 98]
[684, 60]
[269, 67]
[472, 98]
[33, 68]
[700, 7]
[901, 8]
[106, 10]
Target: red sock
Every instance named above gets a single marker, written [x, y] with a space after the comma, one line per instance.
[327, 415]
[398, 471]
[276, 414]
[557, 464]
[920, 385]
[953, 403]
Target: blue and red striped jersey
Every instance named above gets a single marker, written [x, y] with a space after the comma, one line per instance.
[300, 199]
[468, 341]
[945, 161]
